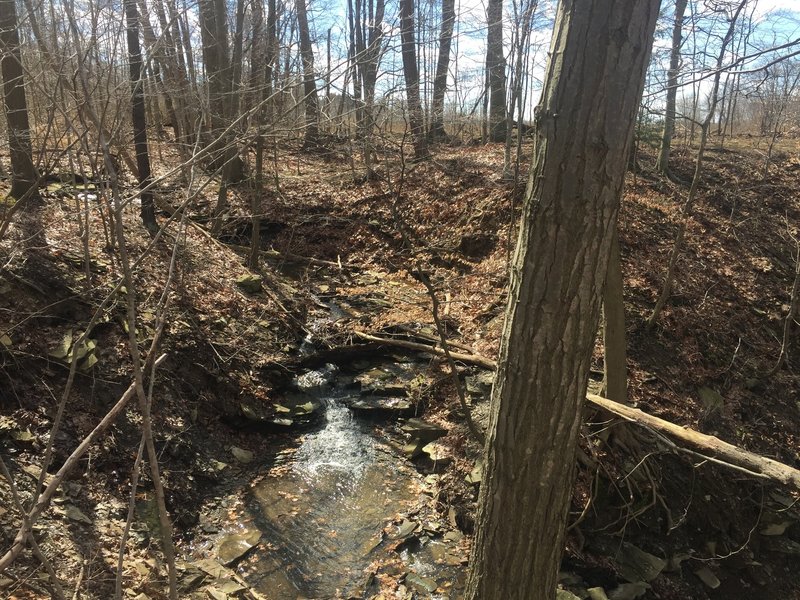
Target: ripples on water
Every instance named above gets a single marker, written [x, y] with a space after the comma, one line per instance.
[323, 517]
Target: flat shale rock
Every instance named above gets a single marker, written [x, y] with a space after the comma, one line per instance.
[380, 407]
[423, 431]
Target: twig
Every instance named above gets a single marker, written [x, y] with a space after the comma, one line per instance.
[44, 498]
[128, 520]
[144, 406]
[77, 593]
[473, 428]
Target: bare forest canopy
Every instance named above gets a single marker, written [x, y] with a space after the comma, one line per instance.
[247, 60]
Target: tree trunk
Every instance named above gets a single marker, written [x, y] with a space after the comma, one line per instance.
[24, 176]
[255, 207]
[311, 103]
[236, 61]
[181, 21]
[437, 131]
[584, 122]
[496, 67]
[217, 62]
[272, 58]
[615, 361]
[219, 75]
[367, 46]
[412, 78]
[147, 211]
[672, 86]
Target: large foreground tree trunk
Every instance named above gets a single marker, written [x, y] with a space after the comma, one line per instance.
[584, 124]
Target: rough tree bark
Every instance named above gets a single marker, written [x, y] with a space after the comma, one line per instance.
[411, 73]
[672, 86]
[584, 123]
[496, 67]
[437, 131]
[138, 119]
[24, 175]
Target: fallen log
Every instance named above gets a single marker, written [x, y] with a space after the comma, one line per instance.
[718, 451]
[708, 444]
[289, 256]
[474, 359]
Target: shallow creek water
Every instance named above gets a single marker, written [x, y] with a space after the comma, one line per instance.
[323, 511]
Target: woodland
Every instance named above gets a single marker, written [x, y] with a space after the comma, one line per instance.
[314, 299]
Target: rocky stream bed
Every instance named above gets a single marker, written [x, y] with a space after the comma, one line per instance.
[348, 502]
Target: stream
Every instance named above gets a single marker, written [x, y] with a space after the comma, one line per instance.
[331, 513]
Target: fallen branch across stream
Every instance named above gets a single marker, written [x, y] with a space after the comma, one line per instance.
[720, 452]
[474, 359]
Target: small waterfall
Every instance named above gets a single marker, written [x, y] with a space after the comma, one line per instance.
[340, 445]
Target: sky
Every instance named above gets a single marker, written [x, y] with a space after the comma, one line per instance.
[773, 20]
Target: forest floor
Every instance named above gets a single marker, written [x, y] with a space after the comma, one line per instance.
[651, 523]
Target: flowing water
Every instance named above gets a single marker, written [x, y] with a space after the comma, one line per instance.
[324, 511]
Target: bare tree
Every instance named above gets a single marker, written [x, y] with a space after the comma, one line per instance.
[496, 71]
[412, 78]
[524, 14]
[310, 100]
[686, 210]
[437, 131]
[368, 48]
[24, 176]
[672, 86]
[781, 82]
[147, 210]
